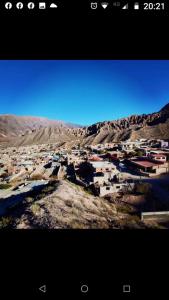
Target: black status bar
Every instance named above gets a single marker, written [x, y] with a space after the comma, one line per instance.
[94, 7]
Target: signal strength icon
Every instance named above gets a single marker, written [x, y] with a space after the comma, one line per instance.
[104, 4]
[125, 6]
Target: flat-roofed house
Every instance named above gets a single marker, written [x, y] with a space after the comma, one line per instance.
[95, 158]
[164, 144]
[101, 178]
[103, 166]
[115, 188]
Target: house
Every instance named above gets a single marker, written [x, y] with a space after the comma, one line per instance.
[103, 166]
[97, 147]
[145, 165]
[95, 158]
[164, 144]
[56, 157]
[158, 157]
[130, 145]
[74, 159]
[115, 188]
[114, 156]
[77, 151]
[109, 145]
[101, 178]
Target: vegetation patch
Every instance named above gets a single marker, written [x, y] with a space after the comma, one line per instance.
[5, 222]
[124, 209]
[35, 208]
[37, 177]
[143, 188]
[5, 186]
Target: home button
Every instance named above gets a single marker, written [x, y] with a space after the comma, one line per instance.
[84, 288]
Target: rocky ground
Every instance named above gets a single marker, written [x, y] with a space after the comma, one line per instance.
[71, 207]
[65, 205]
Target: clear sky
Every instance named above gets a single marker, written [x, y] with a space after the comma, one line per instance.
[83, 92]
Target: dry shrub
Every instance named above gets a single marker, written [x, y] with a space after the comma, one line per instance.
[29, 199]
[5, 222]
[143, 188]
[35, 208]
[37, 177]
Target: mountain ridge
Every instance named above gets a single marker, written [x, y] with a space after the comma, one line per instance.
[27, 130]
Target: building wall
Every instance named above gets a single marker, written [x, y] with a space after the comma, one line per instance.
[104, 190]
[162, 158]
[100, 180]
[107, 169]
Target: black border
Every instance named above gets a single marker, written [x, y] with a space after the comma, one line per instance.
[84, 36]
[86, 254]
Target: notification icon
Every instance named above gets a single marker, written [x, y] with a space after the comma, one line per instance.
[19, 5]
[8, 5]
[31, 5]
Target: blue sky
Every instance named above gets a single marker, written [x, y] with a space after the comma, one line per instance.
[83, 91]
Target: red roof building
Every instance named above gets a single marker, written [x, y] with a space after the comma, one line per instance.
[95, 158]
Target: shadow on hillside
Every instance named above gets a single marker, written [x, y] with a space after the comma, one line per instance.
[16, 206]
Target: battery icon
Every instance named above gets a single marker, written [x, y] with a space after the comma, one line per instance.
[136, 5]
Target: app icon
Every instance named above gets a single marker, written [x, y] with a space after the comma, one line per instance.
[19, 5]
[93, 5]
[31, 5]
[8, 5]
[53, 5]
[42, 5]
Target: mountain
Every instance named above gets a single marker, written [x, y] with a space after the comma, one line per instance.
[165, 109]
[149, 126]
[23, 130]
[17, 131]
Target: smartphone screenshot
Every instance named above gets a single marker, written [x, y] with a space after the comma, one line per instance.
[84, 149]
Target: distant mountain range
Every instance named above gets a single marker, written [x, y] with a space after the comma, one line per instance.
[17, 131]
[27, 130]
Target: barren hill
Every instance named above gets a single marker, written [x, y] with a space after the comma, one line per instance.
[25, 130]
[69, 206]
[17, 131]
[155, 125]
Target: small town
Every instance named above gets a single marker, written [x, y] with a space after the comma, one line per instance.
[123, 171]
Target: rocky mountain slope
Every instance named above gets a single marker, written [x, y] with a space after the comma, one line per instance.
[18, 131]
[155, 125]
[70, 207]
[25, 130]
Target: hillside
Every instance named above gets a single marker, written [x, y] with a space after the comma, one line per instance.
[17, 131]
[26, 130]
[150, 126]
[70, 207]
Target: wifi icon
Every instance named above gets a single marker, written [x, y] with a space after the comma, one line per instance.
[104, 4]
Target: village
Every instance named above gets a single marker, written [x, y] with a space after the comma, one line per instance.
[106, 170]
